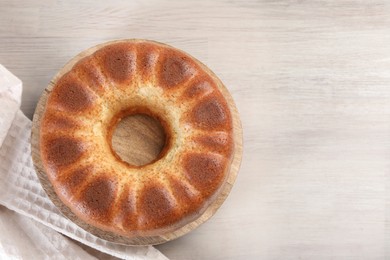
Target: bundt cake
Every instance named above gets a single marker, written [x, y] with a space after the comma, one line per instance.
[137, 77]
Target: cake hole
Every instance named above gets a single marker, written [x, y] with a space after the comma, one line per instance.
[138, 139]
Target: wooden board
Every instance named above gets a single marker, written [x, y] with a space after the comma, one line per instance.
[122, 130]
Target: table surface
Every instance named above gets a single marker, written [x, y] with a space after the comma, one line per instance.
[311, 80]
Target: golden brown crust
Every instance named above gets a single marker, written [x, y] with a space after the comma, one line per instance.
[211, 113]
[147, 55]
[155, 207]
[189, 203]
[72, 181]
[118, 62]
[71, 94]
[221, 143]
[127, 215]
[87, 71]
[118, 80]
[199, 87]
[61, 151]
[174, 69]
[96, 200]
[204, 171]
[54, 121]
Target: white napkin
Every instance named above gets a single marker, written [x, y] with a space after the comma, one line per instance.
[21, 191]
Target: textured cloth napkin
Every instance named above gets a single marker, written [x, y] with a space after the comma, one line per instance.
[34, 231]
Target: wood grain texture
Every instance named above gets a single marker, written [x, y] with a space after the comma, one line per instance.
[311, 81]
[141, 131]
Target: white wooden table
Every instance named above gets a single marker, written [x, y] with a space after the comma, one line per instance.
[311, 80]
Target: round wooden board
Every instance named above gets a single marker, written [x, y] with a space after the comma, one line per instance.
[151, 240]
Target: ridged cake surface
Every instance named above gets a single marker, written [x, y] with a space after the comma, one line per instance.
[120, 79]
